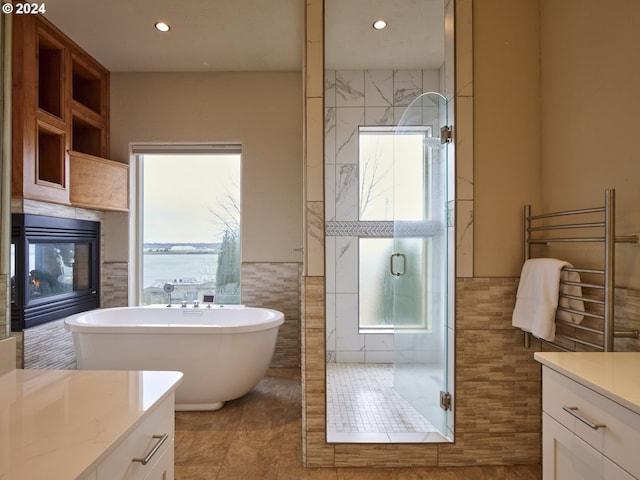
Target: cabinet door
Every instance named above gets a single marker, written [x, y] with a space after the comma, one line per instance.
[618, 441]
[566, 457]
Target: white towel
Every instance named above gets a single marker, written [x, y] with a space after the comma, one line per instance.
[537, 297]
[572, 303]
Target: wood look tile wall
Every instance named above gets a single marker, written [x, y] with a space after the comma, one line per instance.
[498, 396]
[276, 286]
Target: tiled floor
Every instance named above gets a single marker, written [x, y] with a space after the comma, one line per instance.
[362, 405]
[256, 437]
[259, 437]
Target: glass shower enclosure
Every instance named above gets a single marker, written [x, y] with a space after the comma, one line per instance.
[418, 264]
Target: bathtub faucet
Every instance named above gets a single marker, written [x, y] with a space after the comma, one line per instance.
[196, 304]
[168, 288]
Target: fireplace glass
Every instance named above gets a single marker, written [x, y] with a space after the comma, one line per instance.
[56, 268]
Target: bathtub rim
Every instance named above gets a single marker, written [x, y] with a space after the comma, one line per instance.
[72, 323]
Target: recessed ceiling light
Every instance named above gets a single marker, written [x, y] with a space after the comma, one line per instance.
[380, 24]
[163, 27]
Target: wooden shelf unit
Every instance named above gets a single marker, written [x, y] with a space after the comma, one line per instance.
[60, 105]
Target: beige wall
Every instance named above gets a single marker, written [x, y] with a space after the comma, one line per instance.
[260, 110]
[506, 134]
[555, 118]
[590, 77]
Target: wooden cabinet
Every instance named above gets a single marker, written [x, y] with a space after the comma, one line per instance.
[96, 182]
[60, 109]
[586, 435]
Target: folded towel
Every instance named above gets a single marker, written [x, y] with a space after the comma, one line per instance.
[572, 303]
[537, 297]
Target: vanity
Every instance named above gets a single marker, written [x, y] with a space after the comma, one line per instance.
[590, 415]
[87, 425]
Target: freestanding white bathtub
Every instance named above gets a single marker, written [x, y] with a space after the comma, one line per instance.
[223, 351]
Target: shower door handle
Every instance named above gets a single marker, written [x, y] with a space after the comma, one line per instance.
[392, 264]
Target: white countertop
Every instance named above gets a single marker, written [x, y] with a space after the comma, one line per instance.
[56, 424]
[615, 375]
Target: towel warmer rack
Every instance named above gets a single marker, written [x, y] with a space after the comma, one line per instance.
[598, 320]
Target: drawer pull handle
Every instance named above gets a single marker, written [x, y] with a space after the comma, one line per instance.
[574, 411]
[147, 459]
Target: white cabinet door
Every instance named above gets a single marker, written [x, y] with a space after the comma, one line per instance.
[618, 440]
[567, 457]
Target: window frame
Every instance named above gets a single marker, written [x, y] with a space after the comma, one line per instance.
[136, 197]
[382, 130]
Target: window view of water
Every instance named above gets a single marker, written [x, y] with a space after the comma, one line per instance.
[193, 275]
[191, 226]
[179, 268]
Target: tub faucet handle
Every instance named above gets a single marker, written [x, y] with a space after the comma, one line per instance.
[196, 304]
[183, 304]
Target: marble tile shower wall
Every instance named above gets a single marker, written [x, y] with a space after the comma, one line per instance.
[355, 98]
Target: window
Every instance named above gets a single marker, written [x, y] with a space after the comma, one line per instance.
[189, 218]
[391, 187]
[392, 173]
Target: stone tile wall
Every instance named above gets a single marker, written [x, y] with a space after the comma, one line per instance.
[115, 284]
[498, 396]
[497, 384]
[277, 286]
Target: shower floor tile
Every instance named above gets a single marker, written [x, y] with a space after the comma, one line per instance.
[363, 406]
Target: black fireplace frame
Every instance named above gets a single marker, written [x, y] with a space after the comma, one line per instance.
[27, 229]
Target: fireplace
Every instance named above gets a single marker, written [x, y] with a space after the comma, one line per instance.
[55, 268]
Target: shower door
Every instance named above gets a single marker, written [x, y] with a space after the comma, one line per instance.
[418, 264]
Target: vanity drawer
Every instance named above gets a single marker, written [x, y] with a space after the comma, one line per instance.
[119, 463]
[565, 400]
